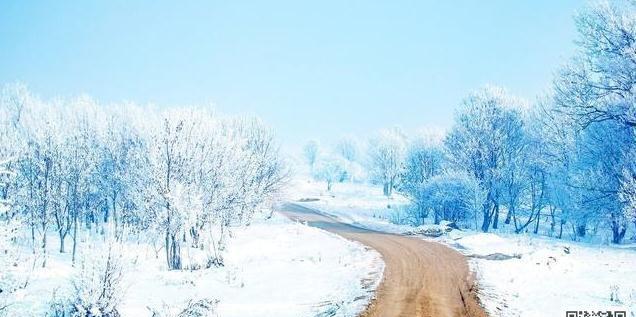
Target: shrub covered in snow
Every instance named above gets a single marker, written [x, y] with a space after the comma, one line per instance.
[205, 307]
[96, 290]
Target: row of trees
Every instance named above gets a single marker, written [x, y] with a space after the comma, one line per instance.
[182, 177]
[567, 161]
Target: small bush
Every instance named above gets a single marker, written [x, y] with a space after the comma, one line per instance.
[205, 307]
[96, 290]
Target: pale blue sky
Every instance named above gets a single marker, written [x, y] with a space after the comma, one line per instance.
[315, 69]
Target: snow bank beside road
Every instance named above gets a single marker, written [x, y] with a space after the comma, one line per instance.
[551, 276]
[272, 268]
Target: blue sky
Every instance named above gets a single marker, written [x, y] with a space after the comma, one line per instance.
[311, 69]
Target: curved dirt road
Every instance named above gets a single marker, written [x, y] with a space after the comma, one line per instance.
[421, 278]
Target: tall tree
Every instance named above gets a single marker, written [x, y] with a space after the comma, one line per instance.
[485, 130]
[596, 89]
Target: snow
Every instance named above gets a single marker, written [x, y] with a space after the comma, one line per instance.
[352, 203]
[267, 273]
[544, 281]
[547, 280]
[489, 243]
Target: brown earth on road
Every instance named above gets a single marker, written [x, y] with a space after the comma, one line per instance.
[421, 278]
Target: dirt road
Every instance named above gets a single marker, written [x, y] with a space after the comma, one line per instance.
[421, 278]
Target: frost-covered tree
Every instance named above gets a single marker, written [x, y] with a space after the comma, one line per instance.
[600, 173]
[561, 139]
[12, 102]
[251, 176]
[627, 192]
[330, 169]
[208, 172]
[8, 233]
[120, 163]
[596, 91]
[348, 148]
[9, 219]
[43, 153]
[23, 154]
[73, 167]
[450, 196]
[486, 130]
[386, 154]
[7, 176]
[310, 152]
[9, 283]
[598, 85]
[526, 172]
[172, 157]
[424, 159]
[5, 179]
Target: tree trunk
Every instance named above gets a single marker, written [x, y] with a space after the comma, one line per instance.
[33, 244]
[509, 214]
[580, 231]
[74, 237]
[174, 253]
[106, 212]
[44, 248]
[167, 247]
[115, 217]
[618, 232]
[62, 238]
[436, 214]
[485, 225]
[536, 225]
[422, 214]
[495, 223]
[552, 220]
[539, 204]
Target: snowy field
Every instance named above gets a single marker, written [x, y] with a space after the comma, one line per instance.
[544, 277]
[267, 273]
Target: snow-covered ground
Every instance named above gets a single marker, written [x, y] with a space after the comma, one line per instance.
[267, 272]
[545, 276]
[551, 276]
[358, 204]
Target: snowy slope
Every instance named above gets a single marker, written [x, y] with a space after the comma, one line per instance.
[272, 268]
